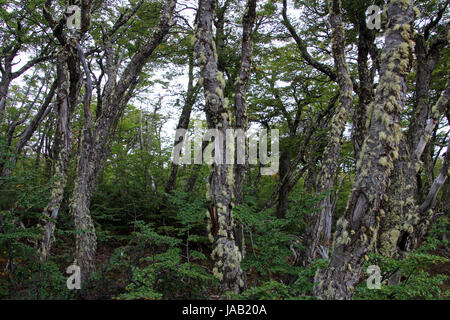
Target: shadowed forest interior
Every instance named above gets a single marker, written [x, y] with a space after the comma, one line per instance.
[347, 198]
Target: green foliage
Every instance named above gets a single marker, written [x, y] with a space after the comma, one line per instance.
[415, 282]
[162, 273]
[273, 257]
[153, 245]
[270, 290]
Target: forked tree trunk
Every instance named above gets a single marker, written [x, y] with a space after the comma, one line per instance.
[68, 88]
[97, 137]
[221, 227]
[357, 229]
[400, 210]
[318, 233]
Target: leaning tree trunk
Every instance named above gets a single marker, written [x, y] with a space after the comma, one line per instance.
[319, 227]
[68, 88]
[97, 137]
[283, 196]
[61, 151]
[357, 229]
[5, 171]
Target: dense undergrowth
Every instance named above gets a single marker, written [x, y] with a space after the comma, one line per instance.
[160, 250]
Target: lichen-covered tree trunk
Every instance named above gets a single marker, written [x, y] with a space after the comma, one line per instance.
[68, 88]
[61, 150]
[319, 227]
[401, 207]
[423, 215]
[357, 229]
[400, 210]
[97, 137]
[221, 226]
[85, 239]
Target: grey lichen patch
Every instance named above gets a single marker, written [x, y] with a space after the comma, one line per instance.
[221, 79]
[217, 274]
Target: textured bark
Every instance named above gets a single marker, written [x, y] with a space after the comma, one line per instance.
[318, 233]
[424, 214]
[357, 229]
[61, 150]
[221, 225]
[400, 209]
[68, 88]
[366, 92]
[241, 85]
[401, 205]
[97, 137]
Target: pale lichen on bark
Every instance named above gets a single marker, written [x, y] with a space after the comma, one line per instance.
[357, 233]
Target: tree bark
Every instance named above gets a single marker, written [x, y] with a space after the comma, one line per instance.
[221, 225]
[61, 151]
[366, 39]
[357, 229]
[68, 88]
[240, 106]
[283, 196]
[400, 208]
[97, 137]
[318, 233]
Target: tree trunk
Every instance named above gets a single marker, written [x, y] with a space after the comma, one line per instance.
[4, 86]
[97, 137]
[221, 227]
[240, 106]
[61, 151]
[183, 122]
[318, 232]
[366, 92]
[400, 208]
[283, 196]
[357, 229]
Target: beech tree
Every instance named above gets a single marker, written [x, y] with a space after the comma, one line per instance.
[357, 229]
[99, 99]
